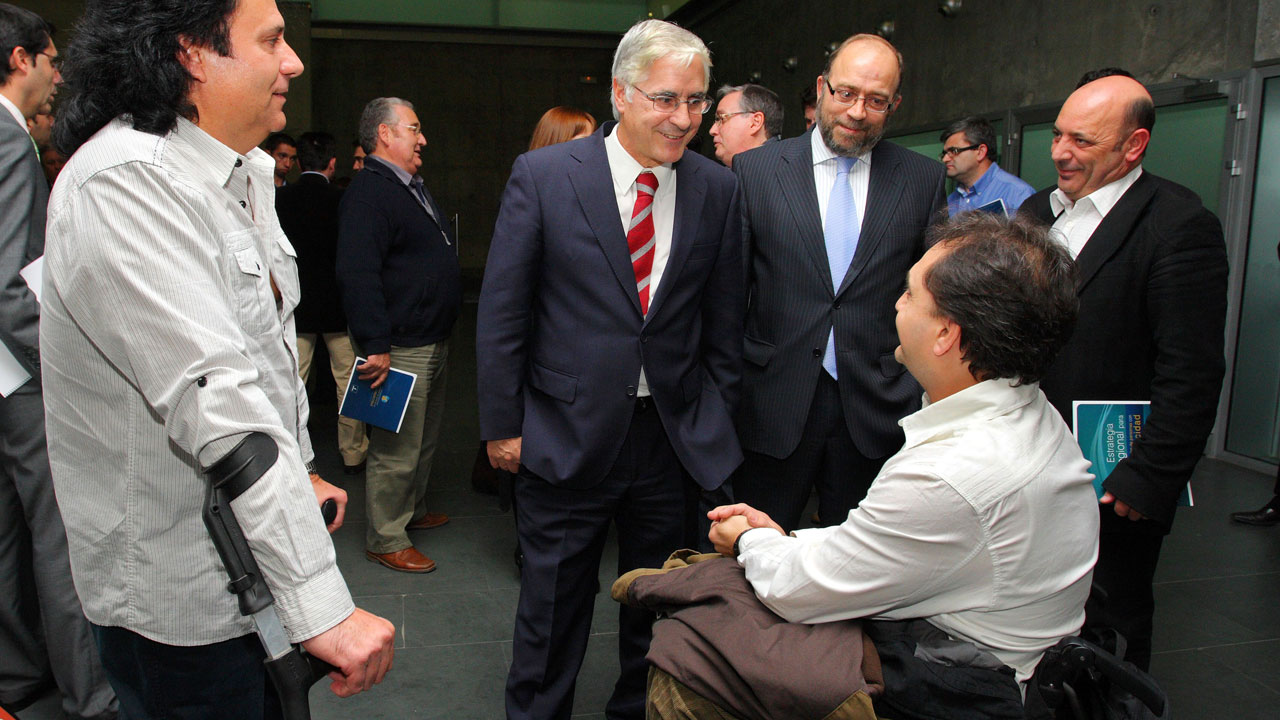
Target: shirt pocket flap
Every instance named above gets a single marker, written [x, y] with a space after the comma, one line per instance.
[286, 246]
[249, 262]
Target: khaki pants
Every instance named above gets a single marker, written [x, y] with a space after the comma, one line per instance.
[400, 463]
[352, 441]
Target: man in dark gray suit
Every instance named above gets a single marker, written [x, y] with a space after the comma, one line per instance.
[33, 544]
[834, 219]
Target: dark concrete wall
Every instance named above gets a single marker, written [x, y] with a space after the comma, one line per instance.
[479, 94]
[478, 104]
[995, 54]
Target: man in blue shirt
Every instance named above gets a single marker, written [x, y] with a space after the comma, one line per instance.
[969, 152]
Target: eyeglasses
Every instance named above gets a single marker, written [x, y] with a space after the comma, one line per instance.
[54, 60]
[667, 103]
[722, 118]
[954, 151]
[416, 128]
[847, 98]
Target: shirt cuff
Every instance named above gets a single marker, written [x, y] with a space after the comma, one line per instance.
[746, 540]
[314, 606]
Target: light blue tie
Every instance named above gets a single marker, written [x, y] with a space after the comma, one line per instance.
[841, 232]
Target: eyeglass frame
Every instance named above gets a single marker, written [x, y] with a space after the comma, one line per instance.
[653, 99]
[721, 119]
[952, 152]
[55, 61]
[865, 99]
[417, 129]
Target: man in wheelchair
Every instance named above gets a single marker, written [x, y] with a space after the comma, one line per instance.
[973, 552]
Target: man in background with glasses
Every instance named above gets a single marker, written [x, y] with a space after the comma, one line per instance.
[969, 154]
[609, 341]
[401, 289]
[35, 571]
[834, 219]
[747, 117]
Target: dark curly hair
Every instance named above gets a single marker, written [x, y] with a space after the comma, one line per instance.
[1010, 287]
[123, 60]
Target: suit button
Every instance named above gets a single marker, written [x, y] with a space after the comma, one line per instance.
[644, 338]
[631, 391]
[817, 352]
[836, 306]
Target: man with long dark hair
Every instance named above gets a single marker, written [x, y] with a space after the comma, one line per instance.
[170, 344]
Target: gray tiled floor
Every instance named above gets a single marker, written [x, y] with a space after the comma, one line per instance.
[1217, 618]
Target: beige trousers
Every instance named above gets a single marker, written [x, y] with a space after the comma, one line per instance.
[400, 463]
[352, 441]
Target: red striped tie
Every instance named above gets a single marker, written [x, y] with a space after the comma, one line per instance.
[640, 236]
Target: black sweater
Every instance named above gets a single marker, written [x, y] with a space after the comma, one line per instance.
[397, 267]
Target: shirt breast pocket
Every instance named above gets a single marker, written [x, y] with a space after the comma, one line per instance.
[286, 264]
[250, 284]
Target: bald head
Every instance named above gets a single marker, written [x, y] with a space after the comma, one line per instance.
[1140, 111]
[1101, 134]
[866, 47]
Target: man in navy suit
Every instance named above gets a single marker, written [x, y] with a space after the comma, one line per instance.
[609, 341]
[834, 219]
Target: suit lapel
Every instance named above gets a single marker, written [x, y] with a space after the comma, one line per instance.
[795, 177]
[884, 190]
[1114, 229]
[593, 185]
[690, 191]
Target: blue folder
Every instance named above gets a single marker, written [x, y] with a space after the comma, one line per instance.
[1106, 432]
[383, 406]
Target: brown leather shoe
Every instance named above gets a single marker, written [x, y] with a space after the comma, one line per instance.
[427, 521]
[407, 560]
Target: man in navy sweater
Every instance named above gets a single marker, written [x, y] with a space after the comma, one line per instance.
[401, 288]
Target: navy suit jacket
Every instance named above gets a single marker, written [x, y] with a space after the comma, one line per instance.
[560, 337]
[793, 306]
[1153, 303]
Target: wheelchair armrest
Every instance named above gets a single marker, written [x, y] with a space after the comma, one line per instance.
[1064, 662]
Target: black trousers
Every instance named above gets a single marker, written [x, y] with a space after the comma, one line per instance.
[155, 681]
[562, 533]
[826, 458]
[1128, 552]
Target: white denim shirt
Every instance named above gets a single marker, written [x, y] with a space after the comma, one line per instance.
[163, 347]
[985, 524]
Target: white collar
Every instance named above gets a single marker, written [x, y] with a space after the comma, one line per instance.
[210, 159]
[1102, 199]
[625, 169]
[987, 399]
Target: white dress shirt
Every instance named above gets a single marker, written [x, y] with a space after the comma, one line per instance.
[824, 176]
[625, 170]
[1075, 221]
[985, 524]
[163, 347]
